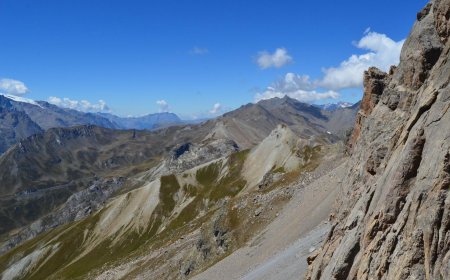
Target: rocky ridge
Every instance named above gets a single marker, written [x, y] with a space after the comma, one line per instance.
[392, 215]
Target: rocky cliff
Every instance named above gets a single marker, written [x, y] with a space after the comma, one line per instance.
[393, 214]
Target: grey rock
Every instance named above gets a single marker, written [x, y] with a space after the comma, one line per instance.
[393, 216]
[187, 155]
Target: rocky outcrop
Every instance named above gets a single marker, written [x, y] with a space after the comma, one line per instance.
[375, 82]
[441, 17]
[188, 155]
[392, 219]
[425, 47]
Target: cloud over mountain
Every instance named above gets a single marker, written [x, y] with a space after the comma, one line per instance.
[163, 105]
[80, 105]
[217, 108]
[382, 52]
[297, 87]
[13, 87]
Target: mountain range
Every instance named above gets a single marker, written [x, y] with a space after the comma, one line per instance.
[45, 173]
[21, 117]
[277, 189]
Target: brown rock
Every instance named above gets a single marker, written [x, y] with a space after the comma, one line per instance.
[374, 84]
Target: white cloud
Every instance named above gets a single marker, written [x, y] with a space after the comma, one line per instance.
[297, 87]
[278, 59]
[217, 108]
[292, 82]
[300, 95]
[198, 51]
[163, 105]
[80, 105]
[383, 52]
[13, 87]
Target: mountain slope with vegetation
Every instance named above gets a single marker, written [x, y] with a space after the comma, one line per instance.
[161, 210]
[61, 168]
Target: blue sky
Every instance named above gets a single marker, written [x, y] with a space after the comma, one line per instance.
[195, 54]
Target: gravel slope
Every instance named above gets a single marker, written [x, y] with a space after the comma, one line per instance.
[280, 251]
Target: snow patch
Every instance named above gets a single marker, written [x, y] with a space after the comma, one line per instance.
[21, 99]
[345, 104]
[334, 106]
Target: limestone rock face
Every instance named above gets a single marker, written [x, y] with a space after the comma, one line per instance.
[374, 83]
[392, 219]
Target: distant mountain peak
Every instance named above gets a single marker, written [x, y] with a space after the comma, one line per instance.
[21, 99]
